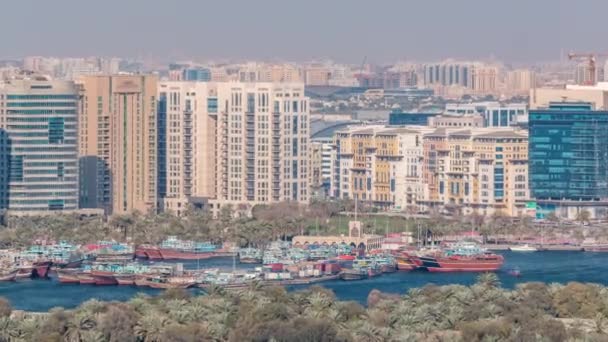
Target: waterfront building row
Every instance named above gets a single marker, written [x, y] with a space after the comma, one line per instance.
[422, 168]
[127, 143]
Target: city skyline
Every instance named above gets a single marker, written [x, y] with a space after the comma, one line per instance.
[394, 31]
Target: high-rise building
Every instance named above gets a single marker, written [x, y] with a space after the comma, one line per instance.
[40, 117]
[520, 81]
[262, 143]
[118, 143]
[187, 115]
[569, 159]
[317, 75]
[484, 79]
[449, 73]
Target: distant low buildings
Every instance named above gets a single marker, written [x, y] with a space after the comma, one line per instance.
[495, 114]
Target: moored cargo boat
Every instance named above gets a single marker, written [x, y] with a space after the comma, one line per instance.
[8, 275]
[354, 274]
[103, 278]
[125, 279]
[405, 262]
[462, 257]
[85, 278]
[68, 276]
[595, 247]
[158, 282]
[250, 255]
[41, 269]
[148, 252]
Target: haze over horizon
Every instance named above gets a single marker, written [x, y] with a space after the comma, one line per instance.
[516, 31]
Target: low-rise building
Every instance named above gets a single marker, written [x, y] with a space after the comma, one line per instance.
[483, 171]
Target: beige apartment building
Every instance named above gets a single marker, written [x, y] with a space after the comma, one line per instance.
[262, 144]
[118, 143]
[380, 165]
[482, 170]
[187, 124]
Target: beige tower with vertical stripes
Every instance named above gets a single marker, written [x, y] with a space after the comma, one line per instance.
[118, 142]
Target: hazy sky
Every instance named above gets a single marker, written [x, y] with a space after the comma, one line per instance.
[344, 30]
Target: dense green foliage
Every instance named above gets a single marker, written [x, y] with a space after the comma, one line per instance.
[481, 312]
[254, 226]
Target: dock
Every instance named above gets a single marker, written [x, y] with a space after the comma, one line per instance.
[562, 248]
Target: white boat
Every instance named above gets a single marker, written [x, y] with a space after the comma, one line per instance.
[523, 248]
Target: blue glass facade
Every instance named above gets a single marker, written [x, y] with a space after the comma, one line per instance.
[568, 152]
[418, 119]
[197, 74]
[41, 124]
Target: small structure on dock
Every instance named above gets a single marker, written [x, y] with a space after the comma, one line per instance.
[355, 238]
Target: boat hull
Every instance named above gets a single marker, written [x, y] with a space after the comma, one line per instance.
[348, 276]
[66, 277]
[447, 264]
[68, 264]
[104, 278]
[250, 261]
[41, 269]
[161, 285]
[9, 276]
[125, 279]
[86, 279]
[148, 252]
[171, 254]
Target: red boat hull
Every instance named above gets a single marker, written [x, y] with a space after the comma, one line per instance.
[68, 277]
[42, 268]
[149, 252]
[125, 279]
[171, 254]
[105, 280]
[86, 279]
[463, 264]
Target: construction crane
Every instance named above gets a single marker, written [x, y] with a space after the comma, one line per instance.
[590, 59]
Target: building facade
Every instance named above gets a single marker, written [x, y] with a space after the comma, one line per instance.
[379, 165]
[262, 143]
[187, 114]
[495, 114]
[39, 157]
[483, 171]
[196, 74]
[118, 143]
[322, 152]
[569, 159]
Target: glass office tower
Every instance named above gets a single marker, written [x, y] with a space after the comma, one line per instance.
[40, 119]
[568, 152]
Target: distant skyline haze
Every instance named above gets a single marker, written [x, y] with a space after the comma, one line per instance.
[515, 31]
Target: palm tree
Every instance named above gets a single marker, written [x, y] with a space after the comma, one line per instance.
[79, 323]
[583, 216]
[9, 329]
[488, 280]
[151, 327]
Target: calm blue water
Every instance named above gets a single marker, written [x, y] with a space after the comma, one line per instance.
[549, 267]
